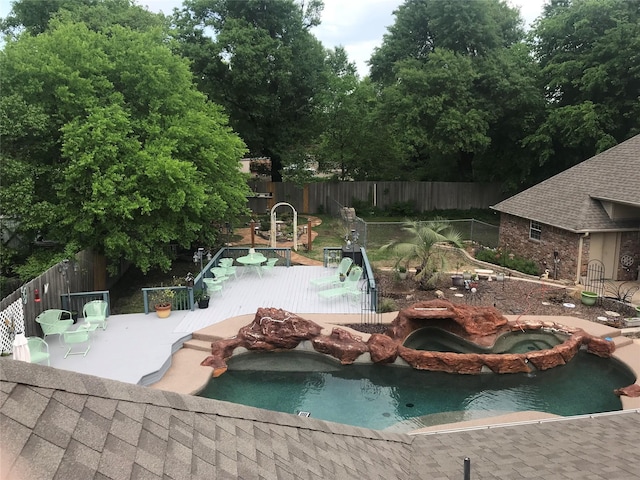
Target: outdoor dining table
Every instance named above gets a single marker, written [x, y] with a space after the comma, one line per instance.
[253, 260]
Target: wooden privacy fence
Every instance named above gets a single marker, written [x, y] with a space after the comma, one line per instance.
[67, 285]
[327, 197]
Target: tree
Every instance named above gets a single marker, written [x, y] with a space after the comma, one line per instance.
[34, 16]
[466, 28]
[420, 247]
[119, 152]
[263, 65]
[459, 85]
[588, 53]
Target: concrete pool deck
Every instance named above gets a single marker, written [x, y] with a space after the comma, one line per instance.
[187, 376]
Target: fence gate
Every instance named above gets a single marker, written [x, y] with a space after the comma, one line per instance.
[595, 278]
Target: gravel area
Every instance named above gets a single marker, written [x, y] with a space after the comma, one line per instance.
[511, 297]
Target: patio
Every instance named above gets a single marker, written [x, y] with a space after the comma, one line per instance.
[135, 346]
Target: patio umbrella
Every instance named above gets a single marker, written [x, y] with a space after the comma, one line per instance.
[21, 348]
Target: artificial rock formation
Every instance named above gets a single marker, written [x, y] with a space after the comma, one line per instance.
[276, 329]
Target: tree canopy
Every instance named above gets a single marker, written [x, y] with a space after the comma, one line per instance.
[107, 144]
[263, 65]
[587, 51]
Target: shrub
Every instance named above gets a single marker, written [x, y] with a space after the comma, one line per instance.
[387, 305]
[512, 262]
[402, 209]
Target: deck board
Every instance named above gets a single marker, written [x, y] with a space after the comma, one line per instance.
[288, 288]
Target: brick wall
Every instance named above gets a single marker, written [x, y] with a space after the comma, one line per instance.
[629, 245]
[514, 237]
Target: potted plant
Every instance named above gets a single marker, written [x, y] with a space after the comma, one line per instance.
[201, 297]
[402, 272]
[466, 275]
[588, 298]
[457, 280]
[161, 301]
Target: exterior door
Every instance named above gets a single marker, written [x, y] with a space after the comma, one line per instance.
[606, 248]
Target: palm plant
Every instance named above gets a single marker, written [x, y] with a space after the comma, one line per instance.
[423, 236]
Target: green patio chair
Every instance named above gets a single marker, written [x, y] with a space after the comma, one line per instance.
[271, 262]
[95, 312]
[77, 338]
[39, 350]
[227, 264]
[212, 285]
[349, 287]
[220, 273]
[334, 278]
[51, 322]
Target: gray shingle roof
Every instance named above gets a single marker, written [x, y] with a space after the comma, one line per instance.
[56, 424]
[571, 199]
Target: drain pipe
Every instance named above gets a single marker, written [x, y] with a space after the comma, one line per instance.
[467, 468]
[579, 266]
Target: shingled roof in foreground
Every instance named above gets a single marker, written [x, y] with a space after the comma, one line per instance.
[64, 425]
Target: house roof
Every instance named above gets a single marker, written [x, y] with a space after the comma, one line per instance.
[61, 424]
[573, 200]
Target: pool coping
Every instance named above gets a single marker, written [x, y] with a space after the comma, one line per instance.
[182, 377]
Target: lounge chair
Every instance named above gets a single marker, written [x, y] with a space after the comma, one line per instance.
[95, 312]
[349, 287]
[51, 322]
[334, 278]
[38, 349]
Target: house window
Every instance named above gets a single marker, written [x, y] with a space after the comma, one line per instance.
[535, 230]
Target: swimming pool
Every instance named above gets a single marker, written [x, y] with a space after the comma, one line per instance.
[403, 399]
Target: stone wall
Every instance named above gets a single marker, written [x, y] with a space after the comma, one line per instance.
[514, 237]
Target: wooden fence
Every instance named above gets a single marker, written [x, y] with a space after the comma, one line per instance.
[83, 277]
[328, 197]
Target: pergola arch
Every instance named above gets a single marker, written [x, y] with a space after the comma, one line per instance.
[272, 236]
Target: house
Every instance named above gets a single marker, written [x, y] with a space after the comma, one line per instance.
[588, 215]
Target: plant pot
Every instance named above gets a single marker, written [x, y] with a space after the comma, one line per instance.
[203, 303]
[402, 275]
[499, 277]
[466, 276]
[589, 298]
[74, 316]
[163, 311]
[457, 280]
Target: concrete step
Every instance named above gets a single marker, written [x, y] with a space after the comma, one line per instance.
[196, 344]
[621, 341]
[204, 336]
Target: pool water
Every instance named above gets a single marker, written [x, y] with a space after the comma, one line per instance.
[402, 399]
[438, 340]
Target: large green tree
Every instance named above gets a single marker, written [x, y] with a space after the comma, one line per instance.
[588, 53]
[259, 60]
[107, 144]
[460, 87]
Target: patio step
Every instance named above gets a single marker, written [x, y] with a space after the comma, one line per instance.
[621, 341]
[205, 337]
[197, 344]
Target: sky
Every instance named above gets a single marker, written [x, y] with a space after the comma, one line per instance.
[357, 25]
